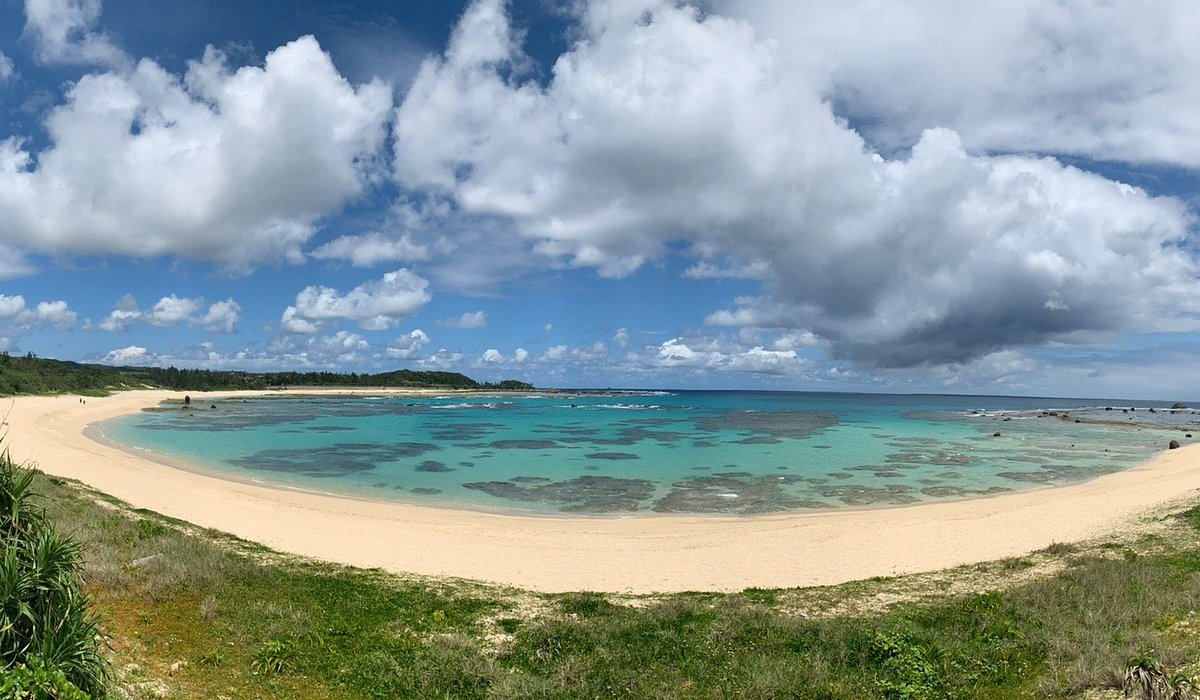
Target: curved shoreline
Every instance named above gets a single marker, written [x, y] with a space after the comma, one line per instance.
[636, 555]
[94, 431]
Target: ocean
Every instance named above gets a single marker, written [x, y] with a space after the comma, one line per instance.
[631, 453]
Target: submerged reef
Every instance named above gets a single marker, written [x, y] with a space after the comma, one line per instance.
[740, 496]
[586, 494]
[330, 462]
[796, 425]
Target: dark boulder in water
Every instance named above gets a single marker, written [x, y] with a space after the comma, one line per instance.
[1173, 445]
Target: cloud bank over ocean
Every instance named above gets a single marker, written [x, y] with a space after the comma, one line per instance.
[997, 197]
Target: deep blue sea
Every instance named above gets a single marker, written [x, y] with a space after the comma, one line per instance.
[726, 452]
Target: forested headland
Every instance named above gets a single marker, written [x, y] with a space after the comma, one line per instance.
[30, 374]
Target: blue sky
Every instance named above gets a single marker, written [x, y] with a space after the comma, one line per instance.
[994, 197]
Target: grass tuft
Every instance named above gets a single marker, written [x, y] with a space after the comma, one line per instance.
[1191, 516]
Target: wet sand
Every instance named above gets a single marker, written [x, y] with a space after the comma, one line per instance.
[645, 553]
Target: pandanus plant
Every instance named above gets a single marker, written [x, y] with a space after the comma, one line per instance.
[49, 640]
[1147, 679]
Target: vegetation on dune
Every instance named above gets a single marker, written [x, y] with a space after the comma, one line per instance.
[48, 637]
[195, 613]
[34, 375]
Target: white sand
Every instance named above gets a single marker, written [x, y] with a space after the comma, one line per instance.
[637, 554]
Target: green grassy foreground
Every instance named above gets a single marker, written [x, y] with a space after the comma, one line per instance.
[194, 613]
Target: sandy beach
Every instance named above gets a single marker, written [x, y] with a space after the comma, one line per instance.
[636, 555]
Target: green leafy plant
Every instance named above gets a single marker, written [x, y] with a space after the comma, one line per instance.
[37, 682]
[910, 669]
[274, 657]
[45, 624]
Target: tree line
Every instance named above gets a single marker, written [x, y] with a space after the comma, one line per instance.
[30, 374]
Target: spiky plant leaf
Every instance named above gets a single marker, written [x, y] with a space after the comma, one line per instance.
[45, 624]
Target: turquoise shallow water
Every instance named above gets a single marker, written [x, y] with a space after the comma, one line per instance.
[666, 452]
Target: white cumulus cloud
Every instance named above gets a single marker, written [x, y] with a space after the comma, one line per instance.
[131, 355]
[228, 164]
[6, 68]
[16, 316]
[64, 31]
[330, 350]
[374, 305]
[469, 320]
[408, 347]
[721, 355]
[1103, 80]
[170, 311]
[664, 127]
[55, 314]
[291, 322]
[222, 317]
[372, 249]
[344, 345]
[442, 360]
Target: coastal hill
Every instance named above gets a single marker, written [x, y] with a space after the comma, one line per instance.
[30, 374]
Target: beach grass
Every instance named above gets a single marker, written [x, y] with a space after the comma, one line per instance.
[196, 613]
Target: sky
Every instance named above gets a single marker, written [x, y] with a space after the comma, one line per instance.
[904, 196]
